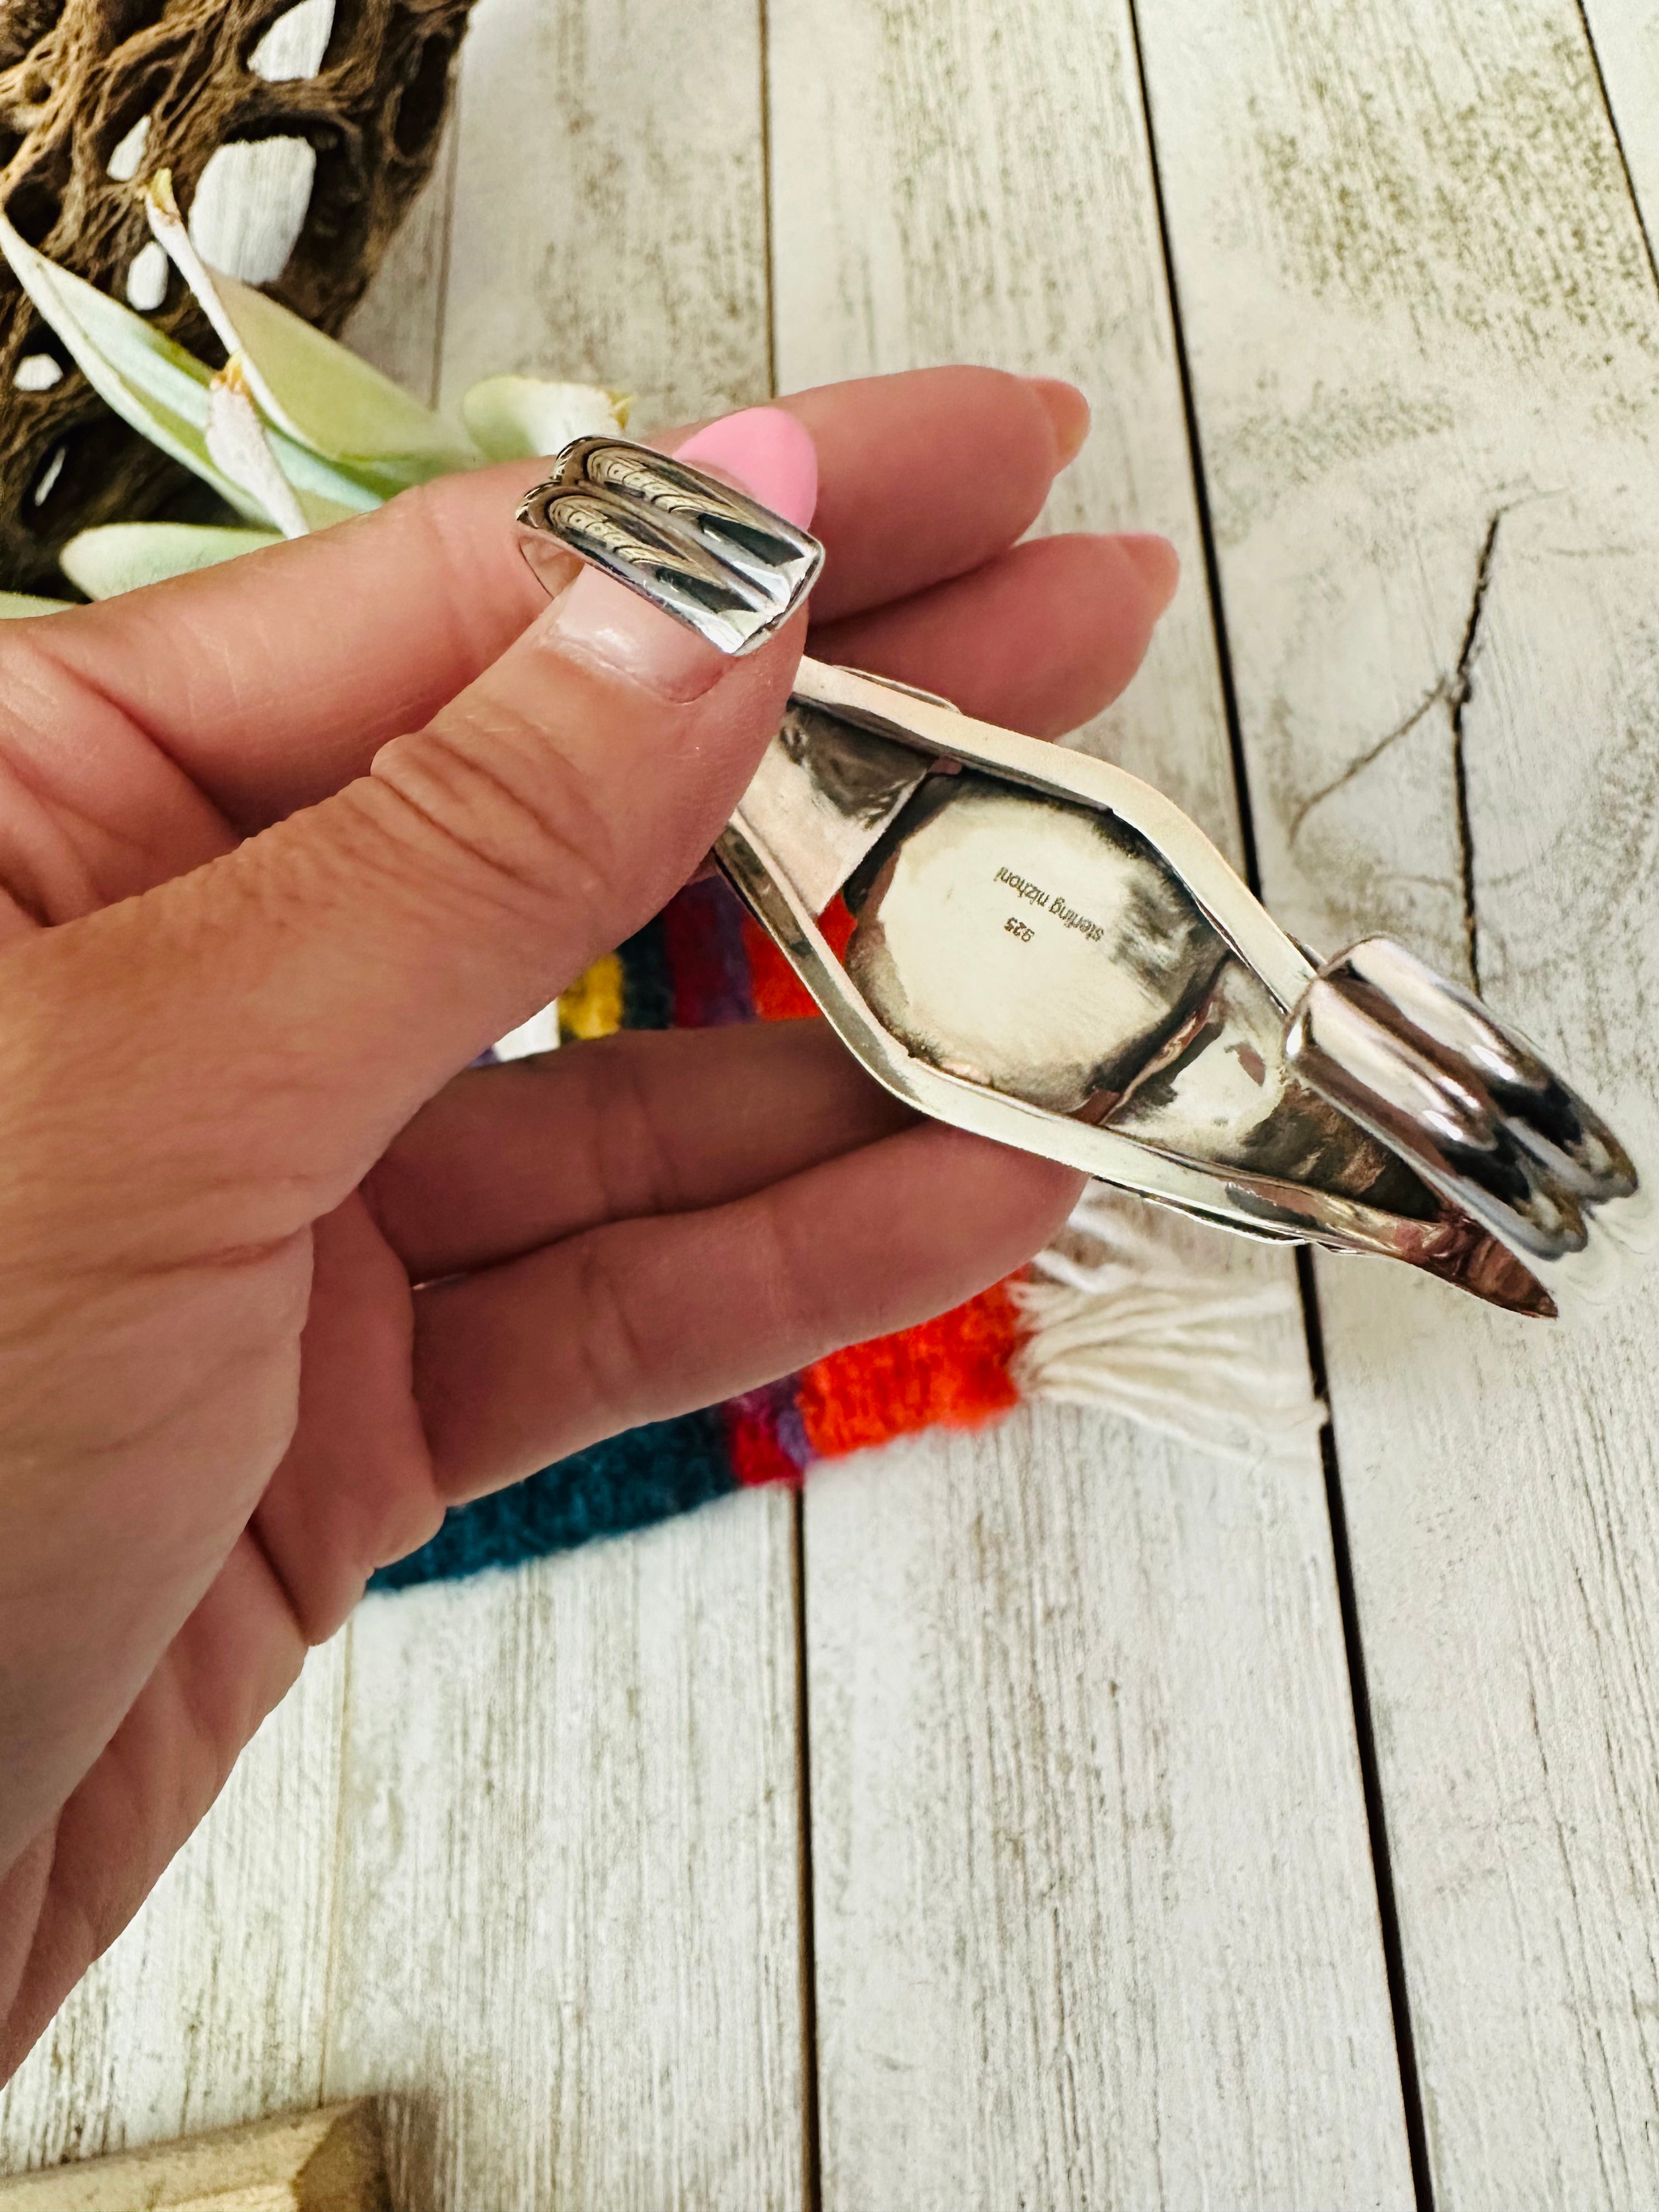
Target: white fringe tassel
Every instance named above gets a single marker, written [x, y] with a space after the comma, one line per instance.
[1171, 1324]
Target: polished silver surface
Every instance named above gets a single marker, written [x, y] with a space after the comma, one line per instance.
[711, 556]
[825, 793]
[1431, 1072]
[1046, 950]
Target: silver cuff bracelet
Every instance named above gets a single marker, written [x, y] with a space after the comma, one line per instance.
[1046, 951]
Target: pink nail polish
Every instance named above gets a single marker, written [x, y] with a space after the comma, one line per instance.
[766, 453]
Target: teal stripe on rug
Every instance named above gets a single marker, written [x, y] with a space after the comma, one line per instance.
[627, 1482]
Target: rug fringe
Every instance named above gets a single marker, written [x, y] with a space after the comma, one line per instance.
[1169, 1324]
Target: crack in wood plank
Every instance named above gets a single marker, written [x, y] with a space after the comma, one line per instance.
[1458, 690]
[1436, 694]
[1453, 692]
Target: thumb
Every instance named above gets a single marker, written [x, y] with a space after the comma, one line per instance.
[279, 1014]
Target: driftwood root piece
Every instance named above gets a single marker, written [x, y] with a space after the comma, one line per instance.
[322, 2162]
[75, 78]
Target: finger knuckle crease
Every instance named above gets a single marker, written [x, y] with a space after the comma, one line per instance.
[783, 1277]
[634, 1166]
[620, 1365]
[533, 835]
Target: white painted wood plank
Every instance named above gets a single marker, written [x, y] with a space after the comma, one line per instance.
[569, 1926]
[969, 182]
[209, 2009]
[1626, 36]
[398, 323]
[1417, 298]
[1094, 1921]
[568, 1941]
[609, 216]
[1094, 1913]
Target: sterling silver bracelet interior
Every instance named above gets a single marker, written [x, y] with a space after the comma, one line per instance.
[1048, 952]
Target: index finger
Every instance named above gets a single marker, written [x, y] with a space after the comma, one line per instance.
[274, 680]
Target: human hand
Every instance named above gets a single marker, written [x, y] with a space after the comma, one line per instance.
[283, 846]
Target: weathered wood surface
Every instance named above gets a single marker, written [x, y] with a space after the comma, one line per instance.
[610, 217]
[567, 1948]
[1096, 1921]
[971, 183]
[1424, 342]
[1625, 34]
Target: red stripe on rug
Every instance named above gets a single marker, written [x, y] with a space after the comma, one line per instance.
[780, 995]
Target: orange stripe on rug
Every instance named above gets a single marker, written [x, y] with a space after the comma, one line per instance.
[951, 1372]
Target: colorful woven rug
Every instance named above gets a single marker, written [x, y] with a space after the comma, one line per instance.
[1118, 1314]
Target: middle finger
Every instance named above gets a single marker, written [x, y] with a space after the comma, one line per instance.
[504, 1160]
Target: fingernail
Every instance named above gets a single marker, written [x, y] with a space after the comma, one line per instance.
[1068, 410]
[761, 451]
[767, 453]
[1158, 563]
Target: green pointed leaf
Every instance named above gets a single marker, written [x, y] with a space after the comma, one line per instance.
[521, 417]
[313, 389]
[13, 605]
[323, 396]
[121, 556]
[150, 382]
[163, 391]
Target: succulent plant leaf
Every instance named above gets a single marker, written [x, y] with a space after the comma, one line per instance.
[153, 384]
[295, 434]
[14, 606]
[163, 391]
[327, 492]
[314, 390]
[121, 556]
[323, 396]
[519, 417]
